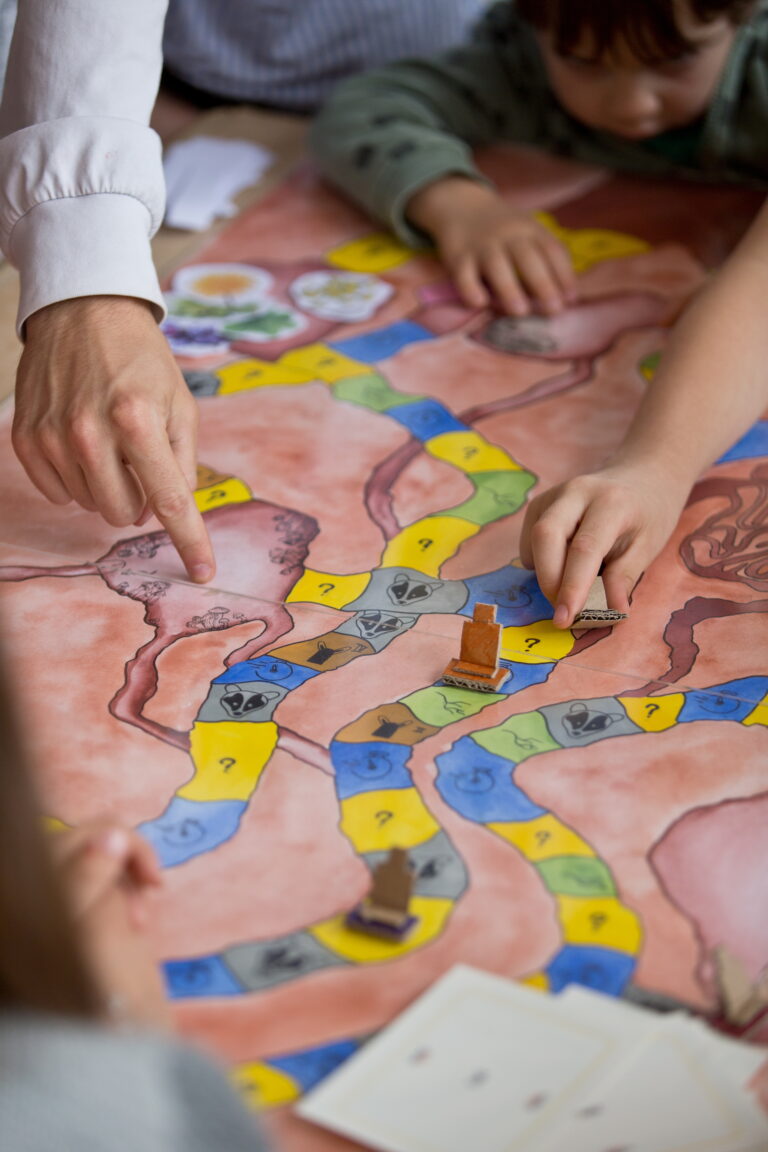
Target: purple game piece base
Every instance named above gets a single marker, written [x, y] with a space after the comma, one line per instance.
[360, 923]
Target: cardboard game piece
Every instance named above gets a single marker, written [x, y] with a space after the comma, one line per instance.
[385, 910]
[478, 664]
[742, 1000]
[596, 613]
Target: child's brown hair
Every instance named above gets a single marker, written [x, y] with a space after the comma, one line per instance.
[649, 28]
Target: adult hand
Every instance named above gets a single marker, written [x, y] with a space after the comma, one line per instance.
[485, 245]
[614, 521]
[103, 417]
[108, 873]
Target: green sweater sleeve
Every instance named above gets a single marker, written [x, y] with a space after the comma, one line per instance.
[387, 133]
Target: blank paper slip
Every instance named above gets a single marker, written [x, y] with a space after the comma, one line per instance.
[204, 174]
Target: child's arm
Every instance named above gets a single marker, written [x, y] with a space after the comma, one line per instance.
[711, 385]
[397, 140]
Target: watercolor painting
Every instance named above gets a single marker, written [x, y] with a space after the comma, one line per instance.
[367, 447]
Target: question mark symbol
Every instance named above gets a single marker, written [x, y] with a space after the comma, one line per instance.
[651, 708]
[384, 818]
[531, 642]
[228, 762]
[426, 543]
[326, 588]
[217, 494]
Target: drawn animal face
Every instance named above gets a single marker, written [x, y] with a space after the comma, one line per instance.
[405, 589]
[375, 623]
[582, 721]
[239, 701]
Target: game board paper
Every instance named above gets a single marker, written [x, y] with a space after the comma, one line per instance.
[364, 476]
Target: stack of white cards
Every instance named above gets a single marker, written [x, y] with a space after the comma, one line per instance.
[480, 1064]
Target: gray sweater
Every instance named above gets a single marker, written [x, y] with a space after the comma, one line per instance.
[69, 1087]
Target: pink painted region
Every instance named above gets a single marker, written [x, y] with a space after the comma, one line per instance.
[713, 864]
[277, 540]
[442, 292]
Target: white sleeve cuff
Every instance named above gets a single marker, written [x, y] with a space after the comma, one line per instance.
[80, 199]
[94, 245]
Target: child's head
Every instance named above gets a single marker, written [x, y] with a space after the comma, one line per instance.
[635, 68]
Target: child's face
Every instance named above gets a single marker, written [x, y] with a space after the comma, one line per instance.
[621, 95]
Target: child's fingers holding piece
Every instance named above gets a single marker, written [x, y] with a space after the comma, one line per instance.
[594, 539]
[549, 525]
[624, 568]
[618, 582]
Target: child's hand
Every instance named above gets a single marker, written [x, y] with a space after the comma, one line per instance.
[107, 873]
[485, 245]
[103, 417]
[614, 521]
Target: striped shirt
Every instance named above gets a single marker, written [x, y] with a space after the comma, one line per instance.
[289, 53]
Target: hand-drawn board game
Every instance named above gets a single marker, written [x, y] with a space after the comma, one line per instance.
[368, 445]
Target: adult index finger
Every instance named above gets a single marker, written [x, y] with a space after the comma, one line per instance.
[172, 502]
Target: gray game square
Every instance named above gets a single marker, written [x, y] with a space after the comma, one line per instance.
[406, 589]
[265, 963]
[580, 722]
[378, 626]
[251, 702]
[437, 867]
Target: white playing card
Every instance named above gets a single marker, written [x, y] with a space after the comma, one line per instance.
[477, 1063]
[625, 1020]
[731, 1064]
[660, 1098]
